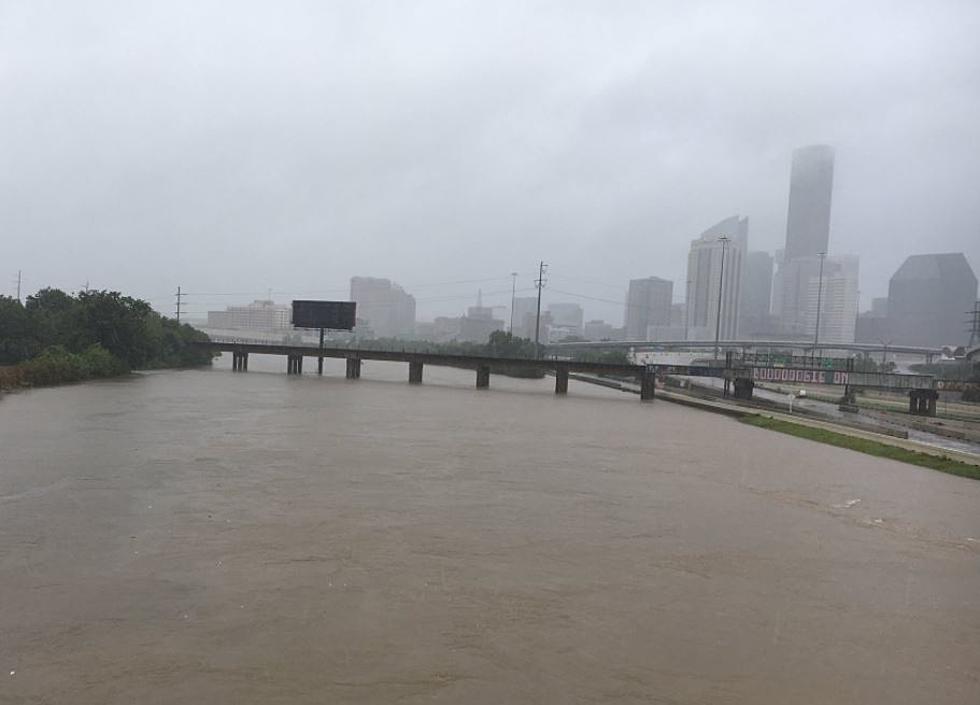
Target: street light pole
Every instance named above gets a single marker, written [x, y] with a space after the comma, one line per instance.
[721, 282]
[513, 294]
[687, 311]
[816, 332]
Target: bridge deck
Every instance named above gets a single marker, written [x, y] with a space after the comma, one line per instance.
[465, 361]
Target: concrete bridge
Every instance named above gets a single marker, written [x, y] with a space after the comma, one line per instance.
[295, 354]
[920, 388]
[928, 353]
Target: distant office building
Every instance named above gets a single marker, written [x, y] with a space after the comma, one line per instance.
[879, 306]
[836, 295]
[524, 306]
[598, 330]
[706, 275]
[776, 297]
[810, 188]
[754, 318]
[648, 304]
[478, 323]
[528, 325]
[807, 233]
[569, 316]
[801, 292]
[928, 300]
[260, 315]
[386, 307]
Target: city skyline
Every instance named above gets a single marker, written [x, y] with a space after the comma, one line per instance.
[184, 158]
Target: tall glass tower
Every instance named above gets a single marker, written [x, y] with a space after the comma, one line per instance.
[810, 187]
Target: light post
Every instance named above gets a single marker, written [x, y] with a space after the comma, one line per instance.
[884, 352]
[816, 332]
[513, 294]
[721, 281]
[687, 311]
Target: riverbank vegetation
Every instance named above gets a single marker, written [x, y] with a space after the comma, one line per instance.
[863, 445]
[55, 338]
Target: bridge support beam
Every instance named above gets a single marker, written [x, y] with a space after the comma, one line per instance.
[922, 402]
[647, 385]
[294, 365]
[239, 361]
[415, 373]
[744, 388]
[353, 368]
[482, 377]
[561, 379]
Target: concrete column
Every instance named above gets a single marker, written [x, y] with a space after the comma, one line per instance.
[234, 362]
[561, 379]
[647, 385]
[415, 373]
[353, 368]
[744, 388]
[482, 377]
[244, 365]
[319, 365]
[912, 403]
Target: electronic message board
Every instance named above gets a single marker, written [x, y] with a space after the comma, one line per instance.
[337, 315]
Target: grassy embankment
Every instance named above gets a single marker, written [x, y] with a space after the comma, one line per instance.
[863, 445]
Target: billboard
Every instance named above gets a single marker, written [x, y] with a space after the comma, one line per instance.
[338, 315]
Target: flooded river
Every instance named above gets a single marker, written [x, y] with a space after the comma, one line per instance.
[218, 537]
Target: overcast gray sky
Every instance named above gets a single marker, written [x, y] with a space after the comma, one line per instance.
[240, 146]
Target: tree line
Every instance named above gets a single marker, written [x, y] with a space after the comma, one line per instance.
[56, 337]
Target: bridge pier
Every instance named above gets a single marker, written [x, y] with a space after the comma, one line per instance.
[482, 376]
[744, 388]
[239, 361]
[561, 379]
[353, 368]
[648, 385]
[922, 402]
[415, 373]
[294, 365]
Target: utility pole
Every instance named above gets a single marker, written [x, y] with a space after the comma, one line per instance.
[179, 297]
[539, 282]
[721, 282]
[974, 324]
[513, 295]
[816, 332]
[18, 285]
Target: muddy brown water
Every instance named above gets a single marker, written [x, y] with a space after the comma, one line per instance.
[218, 537]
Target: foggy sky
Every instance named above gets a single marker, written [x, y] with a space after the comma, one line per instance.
[237, 147]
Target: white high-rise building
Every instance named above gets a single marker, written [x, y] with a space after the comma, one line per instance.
[837, 297]
[723, 242]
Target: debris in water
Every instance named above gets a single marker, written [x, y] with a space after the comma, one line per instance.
[847, 505]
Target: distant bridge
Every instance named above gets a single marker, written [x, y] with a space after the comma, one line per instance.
[921, 388]
[295, 354]
[927, 352]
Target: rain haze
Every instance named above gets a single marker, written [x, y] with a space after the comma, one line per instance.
[490, 352]
[289, 146]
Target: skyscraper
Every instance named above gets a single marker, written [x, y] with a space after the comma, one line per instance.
[836, 295]
[647, 304]
[756, 295]
[807, 233]
[387, 308]
[928, 300]
[810, 187]
[705, 274]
